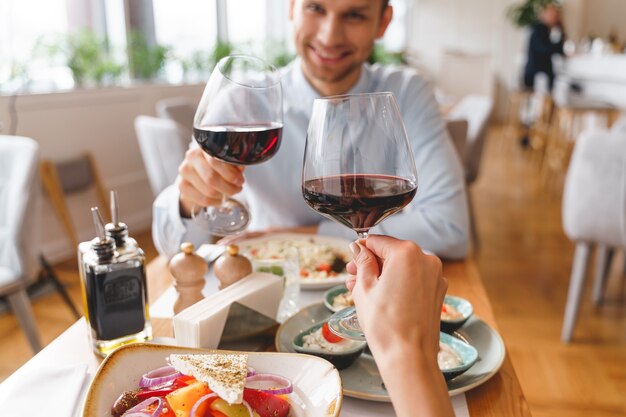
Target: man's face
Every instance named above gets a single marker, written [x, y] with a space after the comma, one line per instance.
[334, 37]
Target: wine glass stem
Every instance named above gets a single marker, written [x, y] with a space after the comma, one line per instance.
[362, 235]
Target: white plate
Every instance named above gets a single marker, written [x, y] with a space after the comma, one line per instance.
[316, 383]
[362, 379]
[306, 283]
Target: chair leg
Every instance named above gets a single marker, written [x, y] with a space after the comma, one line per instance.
[51, 275]
[577, 279]
[20, 304]
[604, 257]
[472, 220]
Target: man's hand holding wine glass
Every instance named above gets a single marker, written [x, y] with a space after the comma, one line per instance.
[204, 180]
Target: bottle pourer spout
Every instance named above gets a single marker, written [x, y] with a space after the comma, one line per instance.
[98, 223]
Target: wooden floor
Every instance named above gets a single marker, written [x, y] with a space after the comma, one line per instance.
[524, 259]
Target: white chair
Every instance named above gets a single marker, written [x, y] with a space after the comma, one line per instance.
[19, 192]
[476, 110]
[163, 144]
[457, 129]
[179, 109]
[594, 211]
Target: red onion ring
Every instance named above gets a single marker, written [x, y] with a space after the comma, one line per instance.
[158, 376]
[251, 371]
[136, 410]
[285, 384]
[202, 399]
[248, 407]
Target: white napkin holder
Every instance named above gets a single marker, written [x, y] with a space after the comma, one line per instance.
[202, 324]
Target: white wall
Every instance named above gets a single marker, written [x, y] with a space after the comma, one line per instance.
[480, 27]
[476, 27]
[100, 121]
[603, 15]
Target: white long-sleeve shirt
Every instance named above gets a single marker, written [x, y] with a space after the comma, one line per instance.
[436, 219]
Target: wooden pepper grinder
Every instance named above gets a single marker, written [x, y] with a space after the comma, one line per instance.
[188, 270]
[230, 267]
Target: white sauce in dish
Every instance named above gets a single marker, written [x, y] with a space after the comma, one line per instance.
[343, 300]
[447, 358]
[316, 341]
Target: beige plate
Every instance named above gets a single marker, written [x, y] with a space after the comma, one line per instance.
[362, 379]
[317, 386]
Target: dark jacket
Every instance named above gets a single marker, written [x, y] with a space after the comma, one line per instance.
[540, 51]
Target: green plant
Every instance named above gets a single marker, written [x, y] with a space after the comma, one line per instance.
[382, 56]
[525, 13]
[221, 50]
[277, 54]
[144, 60]
[85, 54]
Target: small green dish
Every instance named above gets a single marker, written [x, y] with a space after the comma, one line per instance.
[341, 360]
[330, 295]
[462, 306]
[467, 353]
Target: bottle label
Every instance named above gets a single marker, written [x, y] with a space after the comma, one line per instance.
[124, 288]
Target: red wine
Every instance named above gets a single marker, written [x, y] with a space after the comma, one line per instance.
[360, 201]
[240, 144]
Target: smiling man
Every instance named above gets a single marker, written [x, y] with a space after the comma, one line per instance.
[333, 38]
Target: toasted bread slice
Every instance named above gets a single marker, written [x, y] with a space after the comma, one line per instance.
[225, 374]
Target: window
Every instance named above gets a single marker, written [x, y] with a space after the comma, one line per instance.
[186, 26]
[22, 24]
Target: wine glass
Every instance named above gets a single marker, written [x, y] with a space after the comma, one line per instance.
[358, 170]
[239, 121]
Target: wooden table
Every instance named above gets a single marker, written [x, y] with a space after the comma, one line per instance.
[500, 396]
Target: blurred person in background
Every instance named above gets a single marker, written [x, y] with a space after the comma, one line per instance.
[334, 39]
[546, 39]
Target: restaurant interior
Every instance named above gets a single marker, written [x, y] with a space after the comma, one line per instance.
[100, 101]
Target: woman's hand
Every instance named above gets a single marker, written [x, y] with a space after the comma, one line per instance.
[203, 180]
[398, 292]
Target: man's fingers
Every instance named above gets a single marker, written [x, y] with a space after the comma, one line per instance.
[194, 197]
[230, 173]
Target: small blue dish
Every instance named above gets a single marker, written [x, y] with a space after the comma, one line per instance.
[329, 297]
[467, 353]
[341, 360]
[462, 306]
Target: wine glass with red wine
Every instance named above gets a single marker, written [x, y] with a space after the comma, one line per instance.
[358, 170]
[239, 121]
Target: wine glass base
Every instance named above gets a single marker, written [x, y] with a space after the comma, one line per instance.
[230, 218]
[345, 323]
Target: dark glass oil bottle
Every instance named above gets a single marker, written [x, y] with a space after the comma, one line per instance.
[115, 293]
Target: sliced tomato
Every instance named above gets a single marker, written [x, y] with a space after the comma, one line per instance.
[330, 336]
[324, 267]
[267, 405]
[304, 273]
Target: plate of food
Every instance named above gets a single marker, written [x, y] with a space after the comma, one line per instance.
[168, 381]
[362, 379]
[322, 259]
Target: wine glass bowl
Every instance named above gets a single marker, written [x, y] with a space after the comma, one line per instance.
[358, 165]
[239, 121]
[358, 169]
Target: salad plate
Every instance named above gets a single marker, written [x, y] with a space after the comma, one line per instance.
[316, 383]
[362, 379]
[320, 257]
